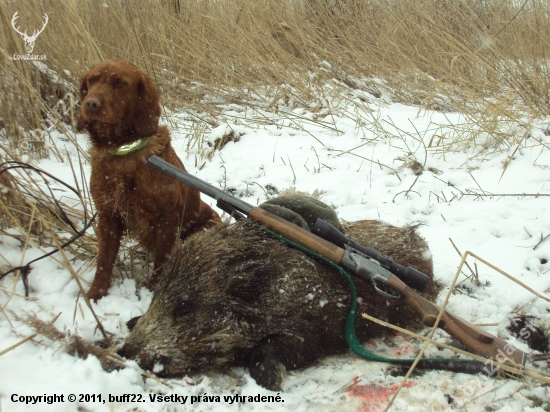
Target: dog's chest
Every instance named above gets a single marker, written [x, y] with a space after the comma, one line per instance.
[124, 194]
[114, 189]
[117, 192]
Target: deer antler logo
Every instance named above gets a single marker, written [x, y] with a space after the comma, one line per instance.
[29, 40]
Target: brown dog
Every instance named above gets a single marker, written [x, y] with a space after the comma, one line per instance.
[120, 106]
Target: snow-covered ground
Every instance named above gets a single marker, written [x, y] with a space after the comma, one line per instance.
[359, 155]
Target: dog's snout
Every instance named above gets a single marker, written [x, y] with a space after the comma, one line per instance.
[93, 104]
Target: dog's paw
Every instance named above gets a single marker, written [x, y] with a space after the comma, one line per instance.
[96, 293]
[98, 289]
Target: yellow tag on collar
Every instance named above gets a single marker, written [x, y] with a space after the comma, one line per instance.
[130, 147]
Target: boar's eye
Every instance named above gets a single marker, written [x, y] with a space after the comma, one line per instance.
[183, 307]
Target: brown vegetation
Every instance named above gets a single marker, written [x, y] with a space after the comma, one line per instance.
[484, 58]
[488, 59]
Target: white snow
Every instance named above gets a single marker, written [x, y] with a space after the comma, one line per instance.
[484, 201]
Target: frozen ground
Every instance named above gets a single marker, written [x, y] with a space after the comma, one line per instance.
[359, 155]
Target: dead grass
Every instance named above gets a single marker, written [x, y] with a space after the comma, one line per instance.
[34, 208]
[488, 59]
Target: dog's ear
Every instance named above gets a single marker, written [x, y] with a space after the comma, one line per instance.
[83, 91]
[147, 114]
[80, 124]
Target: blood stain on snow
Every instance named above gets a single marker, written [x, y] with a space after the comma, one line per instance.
[374, 397]
[403, 350]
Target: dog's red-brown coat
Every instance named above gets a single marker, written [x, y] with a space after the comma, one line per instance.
[120, 105]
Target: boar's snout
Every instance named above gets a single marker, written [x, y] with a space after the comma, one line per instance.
[159, 364]
[141, 356]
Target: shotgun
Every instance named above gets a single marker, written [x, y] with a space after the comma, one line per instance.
[357, 263]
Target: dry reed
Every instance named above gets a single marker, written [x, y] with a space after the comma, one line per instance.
[486, 58]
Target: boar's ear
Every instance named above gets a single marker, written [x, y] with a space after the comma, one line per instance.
[183, 307]
[132, 323]
[248, 280]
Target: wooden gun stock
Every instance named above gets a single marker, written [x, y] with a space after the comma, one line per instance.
[297, 234]
[476, 340]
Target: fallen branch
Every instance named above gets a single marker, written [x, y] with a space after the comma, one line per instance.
[28, 338]
[74, 344]
[471, 192]
[542, 239]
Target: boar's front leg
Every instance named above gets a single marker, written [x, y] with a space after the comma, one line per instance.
[275, 354]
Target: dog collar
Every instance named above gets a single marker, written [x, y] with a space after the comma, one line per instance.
[130, 147]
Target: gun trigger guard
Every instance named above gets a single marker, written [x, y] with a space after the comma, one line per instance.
[387, 293]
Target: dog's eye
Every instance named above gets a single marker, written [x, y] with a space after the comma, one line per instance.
[120, 83]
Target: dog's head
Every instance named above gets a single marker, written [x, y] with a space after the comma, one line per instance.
[116, 94]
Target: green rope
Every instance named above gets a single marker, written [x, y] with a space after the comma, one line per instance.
[351, 337]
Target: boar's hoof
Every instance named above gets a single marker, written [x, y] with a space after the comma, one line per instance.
[266, 370]
[237, 296]
[273, 356]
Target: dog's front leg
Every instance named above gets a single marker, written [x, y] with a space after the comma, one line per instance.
[166, 231]
[109, 232]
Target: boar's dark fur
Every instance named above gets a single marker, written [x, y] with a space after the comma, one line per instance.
[236, 296]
